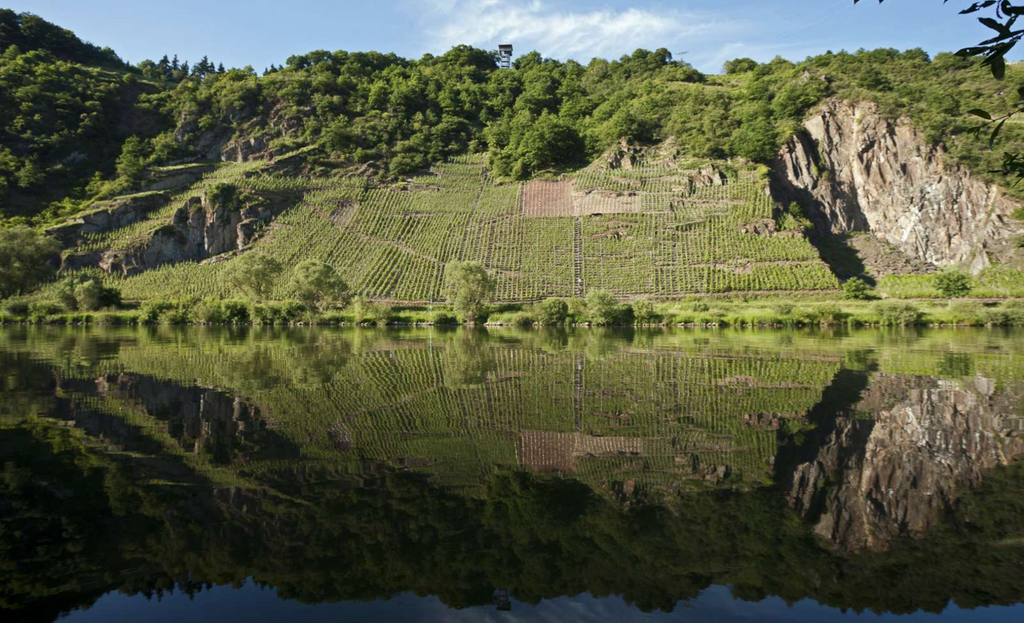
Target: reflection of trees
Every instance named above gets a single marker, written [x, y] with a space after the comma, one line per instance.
[542, 538]
[467, 359]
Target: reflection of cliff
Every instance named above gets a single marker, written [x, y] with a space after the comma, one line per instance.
[909, 449]
[122, 409]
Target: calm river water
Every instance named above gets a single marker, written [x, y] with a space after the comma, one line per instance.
[169, 474]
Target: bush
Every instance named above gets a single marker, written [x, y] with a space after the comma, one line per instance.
[967, 312]
[45, 308]
[897, 313]
[152, 309]
[442, 317]
[369, 312]
[953, 283]
[552, 311]
[602, 307]
[643, 310]
[209, 311]
[577, 309]
[523, 319]
[784, 308]
[285, 312]
[829, 313]
[701, 308]
[235, 311]
[856, 289]
[15, 307]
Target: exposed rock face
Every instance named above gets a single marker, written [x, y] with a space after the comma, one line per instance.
[107, 216]
[891, 474]
[855, 170]
[201, 228]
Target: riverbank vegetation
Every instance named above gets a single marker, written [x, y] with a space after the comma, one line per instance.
[598, 309]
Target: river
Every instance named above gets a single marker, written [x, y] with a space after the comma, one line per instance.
[169, 473]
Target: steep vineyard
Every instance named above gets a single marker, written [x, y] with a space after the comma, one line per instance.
[651, 230]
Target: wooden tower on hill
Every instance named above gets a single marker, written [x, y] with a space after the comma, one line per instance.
[505, 56]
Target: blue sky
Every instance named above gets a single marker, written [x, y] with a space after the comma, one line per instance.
[261, 32]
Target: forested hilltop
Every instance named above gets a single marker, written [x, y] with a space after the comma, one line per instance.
[70, 109]
[652, 176]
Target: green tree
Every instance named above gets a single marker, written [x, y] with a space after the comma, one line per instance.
[953, 284]
[133, 159]
[468, 287]
[253, 273]
[25, 259]
[602, 307]
[317, 285]
[89, 295]
[740, 66]
[643, 310]
[552, 311]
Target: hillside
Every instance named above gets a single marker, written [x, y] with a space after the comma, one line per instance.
[650, 229]
[640, 176]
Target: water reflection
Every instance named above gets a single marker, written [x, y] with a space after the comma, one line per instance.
[486, 467]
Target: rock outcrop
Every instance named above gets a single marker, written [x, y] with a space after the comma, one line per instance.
[110, 215]
[855, 170]
[202, 228]
[909, 448]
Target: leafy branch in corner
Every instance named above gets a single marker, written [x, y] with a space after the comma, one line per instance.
[994, 51]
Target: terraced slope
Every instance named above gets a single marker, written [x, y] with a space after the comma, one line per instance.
[448, 406]
[658, 230]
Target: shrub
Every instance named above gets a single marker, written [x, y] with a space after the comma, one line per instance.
[209, 311]
[784, 308]
[856, 289]
[45, 308]
[235, 311]
[897, 313]
[369, 312]
[552, 311]
[829, 313]
[953, 283]
[15, 307]
[643, 310]
[967, 312]
[602, 307]
[442, 317]
[577, 309]
[152, 309]
[701, 308]
[523, 319]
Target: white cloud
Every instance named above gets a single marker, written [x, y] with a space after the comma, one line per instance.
[534, 24]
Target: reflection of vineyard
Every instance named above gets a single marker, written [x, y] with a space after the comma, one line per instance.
[648, 230]
[458, 411]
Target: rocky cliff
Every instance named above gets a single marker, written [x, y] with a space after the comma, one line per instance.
[854, 170]
[909, 448]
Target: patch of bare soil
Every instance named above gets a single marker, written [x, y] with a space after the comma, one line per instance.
[605, 202]
[546, 199]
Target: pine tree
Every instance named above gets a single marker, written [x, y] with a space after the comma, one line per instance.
[202, 67]
[174, 63]
[185, 71]
[220, 68]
